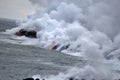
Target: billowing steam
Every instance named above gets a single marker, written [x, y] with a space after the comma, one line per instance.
[99, 14]
[89, 27]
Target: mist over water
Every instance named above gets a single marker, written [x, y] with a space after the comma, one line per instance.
[91, 27]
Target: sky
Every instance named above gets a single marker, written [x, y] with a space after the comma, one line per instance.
[15, 9]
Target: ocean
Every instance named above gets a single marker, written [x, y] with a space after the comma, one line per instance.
[85, 33]
[19, 61]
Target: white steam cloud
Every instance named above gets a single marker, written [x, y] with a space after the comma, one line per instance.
[90, 27]
[102, 15]
[83, 24]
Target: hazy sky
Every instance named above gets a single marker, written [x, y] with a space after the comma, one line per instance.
[15, 9]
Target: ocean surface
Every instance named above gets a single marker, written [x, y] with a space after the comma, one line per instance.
[22, 61]
[88, 42]
[87, 33]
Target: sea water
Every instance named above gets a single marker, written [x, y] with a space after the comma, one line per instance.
[90, 27]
